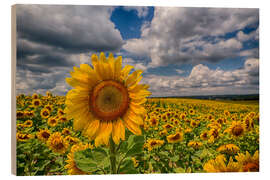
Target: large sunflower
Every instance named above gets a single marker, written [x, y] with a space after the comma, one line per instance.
[106, 99]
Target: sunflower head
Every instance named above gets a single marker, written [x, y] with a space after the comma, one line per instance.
[106, 98]
[28, 123]
[248, 162]
[43, 135]
[52, 121]
[175, 138]
[236, 129]
[36, 102]
[45, 113]
[23, 137]
[57, 143]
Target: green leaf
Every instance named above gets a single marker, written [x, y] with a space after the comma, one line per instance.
[179, 170]
[175, 158]
[91, 160]
[127, 167]
[135, 149]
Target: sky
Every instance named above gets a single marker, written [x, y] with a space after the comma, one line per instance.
[182, 51]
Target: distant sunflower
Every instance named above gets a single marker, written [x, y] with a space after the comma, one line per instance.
[49, 107]
[57, 143]
[106, 99]
[43, 135]
[228, 149]
[66, 131]
[45, 113]
[28, 123]
[236, 129]
[153, 144]
[60, 112]
[72, 140]
[175, 138]
[167, 126]
[191, 111]
[63, 119]
[34, 96]
[153, 121]
[19, 114]
[36, 102]
[23, 137]
[195, 144]
[204, 136]
[52, 121]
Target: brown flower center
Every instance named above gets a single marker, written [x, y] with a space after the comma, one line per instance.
[109, 100]
[237, 130]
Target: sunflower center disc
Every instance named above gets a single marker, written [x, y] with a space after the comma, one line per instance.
[109, 100]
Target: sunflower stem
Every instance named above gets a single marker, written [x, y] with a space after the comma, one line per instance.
[112, 156]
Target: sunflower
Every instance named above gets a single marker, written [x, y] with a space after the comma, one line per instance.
[28, 123]
[36, 102]
[175, 138]
[106, 99]
[153, 144]
[248, 163]
[248, 123]
[167, 126]
[153, 121]
[60, 112]
[194, 123]
[71, 164]
[52, 121]
[228, 149]
[72, 140]
[191, 111]
[43, 135]
[195, 144]
[163, 132]
[188, 130]
[219, 165]
[204, 136]
[23, 137]
[34, 96]
[63, 119]
[19, 114]
[49, 107]
[45, 113]
[66, 131]
[135, 162]
[57, 143]
[236, 129]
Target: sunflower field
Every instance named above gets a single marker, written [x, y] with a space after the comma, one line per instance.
[177, 136]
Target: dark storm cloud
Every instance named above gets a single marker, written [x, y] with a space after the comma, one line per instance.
[51, 37]
[72, 28]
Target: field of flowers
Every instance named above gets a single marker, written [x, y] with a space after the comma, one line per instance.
[178, 136]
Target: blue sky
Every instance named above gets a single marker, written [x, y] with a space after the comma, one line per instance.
[183, 51]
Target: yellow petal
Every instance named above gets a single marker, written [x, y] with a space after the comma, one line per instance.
[134, 128]
[92, 129]
[104, 134]
[117, 68]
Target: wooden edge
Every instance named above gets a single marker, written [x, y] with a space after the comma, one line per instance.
[13, 89]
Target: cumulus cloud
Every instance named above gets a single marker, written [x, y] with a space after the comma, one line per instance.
[205, 81]
[181, 35]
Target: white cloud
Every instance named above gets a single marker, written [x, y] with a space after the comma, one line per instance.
[203, 80]
[241, 36]
[179, 35]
